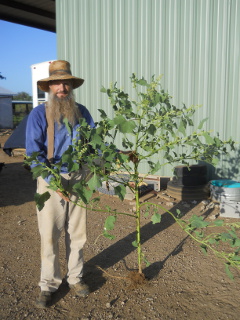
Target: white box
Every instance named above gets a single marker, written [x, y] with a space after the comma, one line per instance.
[230, 209]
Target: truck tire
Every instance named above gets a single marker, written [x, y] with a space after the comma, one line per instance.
[195, 175]
[193, 170]
[198, 193]
[189, 181]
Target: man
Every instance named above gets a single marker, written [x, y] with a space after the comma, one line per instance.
[59, 213]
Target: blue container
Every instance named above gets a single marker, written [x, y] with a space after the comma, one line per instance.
[225, 190]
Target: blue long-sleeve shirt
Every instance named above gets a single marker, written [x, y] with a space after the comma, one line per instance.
[36, 135]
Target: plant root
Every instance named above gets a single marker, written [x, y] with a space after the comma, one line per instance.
[134, 277]
[110, 275]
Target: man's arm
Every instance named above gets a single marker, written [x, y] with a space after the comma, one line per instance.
[36, 134]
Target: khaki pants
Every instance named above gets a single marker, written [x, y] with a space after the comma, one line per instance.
[57, 215]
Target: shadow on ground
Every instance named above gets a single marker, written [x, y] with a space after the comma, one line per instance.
[119, 250]
[16, 185]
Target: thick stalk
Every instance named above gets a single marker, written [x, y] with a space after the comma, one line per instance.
[138, 235]
[136, 175]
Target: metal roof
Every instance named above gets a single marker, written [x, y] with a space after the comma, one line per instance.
[31, 13]
[6, 92]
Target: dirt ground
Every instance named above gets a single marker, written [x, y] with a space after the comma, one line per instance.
[182, 282]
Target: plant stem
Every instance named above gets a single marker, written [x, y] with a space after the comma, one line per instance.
[102, 210]
[217, 253]
[138, 235]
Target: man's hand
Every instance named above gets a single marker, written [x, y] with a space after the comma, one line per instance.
[63, 196]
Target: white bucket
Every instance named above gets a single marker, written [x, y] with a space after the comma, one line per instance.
[225, 190]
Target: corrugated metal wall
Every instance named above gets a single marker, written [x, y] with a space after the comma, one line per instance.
[195, 44]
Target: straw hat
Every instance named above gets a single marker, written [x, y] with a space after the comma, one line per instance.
[59, 70]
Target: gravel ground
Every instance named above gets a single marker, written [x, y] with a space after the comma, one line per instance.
[182, 283]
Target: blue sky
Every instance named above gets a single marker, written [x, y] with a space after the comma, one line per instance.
[20, 48]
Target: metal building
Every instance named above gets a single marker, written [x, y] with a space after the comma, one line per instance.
[195, 44]
[6, 113]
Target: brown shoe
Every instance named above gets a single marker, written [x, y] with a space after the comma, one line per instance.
[81, 289]
[44, 299]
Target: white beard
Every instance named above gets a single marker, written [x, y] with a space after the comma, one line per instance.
[61, 108]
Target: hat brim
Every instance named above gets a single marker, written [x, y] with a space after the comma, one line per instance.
[43, 84]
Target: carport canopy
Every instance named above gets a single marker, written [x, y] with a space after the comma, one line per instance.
[31, 13]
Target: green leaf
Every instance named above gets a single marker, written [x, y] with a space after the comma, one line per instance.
[73, 166]
[108, 235]
[127, 126]
[37, 171]
[152, 129]
[202, 123]
[219, 223]
[68, 126]
[83, 192]
[197, 222]
[40, 199]
[53, 186]
[94, 182]
[142, 82]
[225, 236]
[146, 261]
[228, 272]
[109, 155]
[124, 125]
[156, 218]
[158, 98]
[233, 233]
[135, 244]
[120, 191]
[215, 161]
[236, 258]
[67, 158]
[44, 174]
[86, 195]
[31, 158]
[208, 138]
[156, 167]
[104, 90]
[212, 241]
[199, 234]
[95, 200]
[103, 113]
[204, 249]
[96, 140]
[109, 223]
[178, 212]
[119, 119]
[182, 128]
[236, 243]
